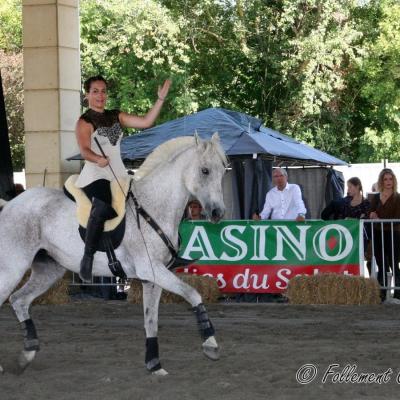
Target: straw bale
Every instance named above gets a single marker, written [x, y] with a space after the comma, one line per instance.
[57, 294]
[205, 285]
[333, 289]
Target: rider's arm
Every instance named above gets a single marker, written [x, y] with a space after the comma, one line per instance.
[133, 121]
[83, 133]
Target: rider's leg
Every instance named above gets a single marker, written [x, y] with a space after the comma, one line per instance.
[101, 211]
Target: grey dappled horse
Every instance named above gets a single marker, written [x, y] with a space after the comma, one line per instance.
[39, 230]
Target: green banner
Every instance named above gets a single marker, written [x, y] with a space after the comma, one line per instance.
[269, 250]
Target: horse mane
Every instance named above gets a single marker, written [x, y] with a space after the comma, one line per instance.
[163, 153]
[170, 149]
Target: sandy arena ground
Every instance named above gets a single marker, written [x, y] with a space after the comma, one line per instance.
[95, 350]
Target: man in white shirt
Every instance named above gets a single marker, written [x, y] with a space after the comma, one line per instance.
[283, 201]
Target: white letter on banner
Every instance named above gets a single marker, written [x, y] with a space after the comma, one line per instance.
[320, 247]
[244, 280]
[227, 238]
[264, 284]
[259, 233]
[283, 278]
[221, 281]
[199, 233]
[298, 247]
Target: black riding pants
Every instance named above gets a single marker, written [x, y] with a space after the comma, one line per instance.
[100, 189]
[387, 255]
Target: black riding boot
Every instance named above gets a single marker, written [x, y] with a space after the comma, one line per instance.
[99, 213]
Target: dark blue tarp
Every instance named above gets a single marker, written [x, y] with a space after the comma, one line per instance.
[240, 135]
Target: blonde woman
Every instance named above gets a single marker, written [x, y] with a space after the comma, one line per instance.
[386, 205]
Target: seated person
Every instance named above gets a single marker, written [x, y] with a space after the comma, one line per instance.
[284, 200]
[194, 211]
[354, 205]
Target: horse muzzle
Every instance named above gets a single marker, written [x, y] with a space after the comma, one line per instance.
[215, 214]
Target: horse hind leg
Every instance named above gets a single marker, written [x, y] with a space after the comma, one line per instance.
[10, 275]
[45, 272]
[151, 301]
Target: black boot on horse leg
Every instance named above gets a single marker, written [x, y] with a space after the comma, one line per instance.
[207, 332]
[99, 213]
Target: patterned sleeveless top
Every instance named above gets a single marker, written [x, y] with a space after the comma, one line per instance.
[108, 131]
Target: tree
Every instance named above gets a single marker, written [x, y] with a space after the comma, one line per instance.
[136, 45]
[11, 66]
[324, 71]
[11, 25]
[285, 62]
[378, 82]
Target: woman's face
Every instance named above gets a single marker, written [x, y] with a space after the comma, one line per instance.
[352, 190]
[97, 96]
[388, 182]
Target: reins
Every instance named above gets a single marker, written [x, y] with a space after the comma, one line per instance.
[151, 221]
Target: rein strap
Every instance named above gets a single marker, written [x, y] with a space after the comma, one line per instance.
[147, 217]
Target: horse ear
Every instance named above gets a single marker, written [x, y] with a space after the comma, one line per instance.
[197, 139]
[215, 138]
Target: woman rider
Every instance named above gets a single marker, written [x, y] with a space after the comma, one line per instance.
[96, 176]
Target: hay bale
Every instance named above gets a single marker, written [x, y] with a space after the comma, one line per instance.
[57, 294]
[206, 286]
[333, 289]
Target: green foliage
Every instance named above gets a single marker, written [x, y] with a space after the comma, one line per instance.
[379, 80]
[136, 45]
[11, 67]
[325, 71]
[11, 25]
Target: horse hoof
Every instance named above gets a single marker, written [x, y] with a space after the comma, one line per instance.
[160, 372]
[25, 358]
[211, 349]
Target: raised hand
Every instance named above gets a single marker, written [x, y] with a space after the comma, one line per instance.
[164, 89]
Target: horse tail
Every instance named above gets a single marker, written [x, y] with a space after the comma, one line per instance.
[2, 203]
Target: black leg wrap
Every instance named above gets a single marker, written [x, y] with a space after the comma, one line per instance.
[31, 340]
[205, 326]
[152, 360]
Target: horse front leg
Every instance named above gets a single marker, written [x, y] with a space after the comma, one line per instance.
[168, 281]
[151, 301]
[207, 332]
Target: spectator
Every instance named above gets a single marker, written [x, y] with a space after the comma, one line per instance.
[194, 210]
[284, 200]
[386, 205]
[354, 205]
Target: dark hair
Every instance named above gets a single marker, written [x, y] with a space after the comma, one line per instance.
[92, 79]
[193, 202]
[356, 182]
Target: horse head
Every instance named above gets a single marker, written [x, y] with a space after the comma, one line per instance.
[203, 177]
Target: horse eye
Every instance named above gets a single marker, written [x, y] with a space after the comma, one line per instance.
[205, 171]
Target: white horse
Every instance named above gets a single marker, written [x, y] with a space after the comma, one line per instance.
[39, 230]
